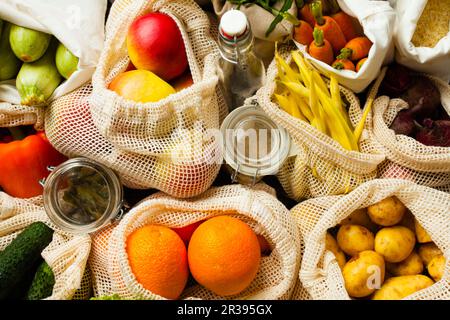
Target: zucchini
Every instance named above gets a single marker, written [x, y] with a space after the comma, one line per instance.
[19, 258]
[9, 63]
[37, 81]
[27, 44]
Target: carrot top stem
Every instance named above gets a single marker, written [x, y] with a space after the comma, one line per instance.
[318, 37]
[316, 9]
[338, 66]
[345, 53]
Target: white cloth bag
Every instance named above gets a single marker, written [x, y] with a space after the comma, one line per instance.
[78, 24]
[377, 19]
[434, 61]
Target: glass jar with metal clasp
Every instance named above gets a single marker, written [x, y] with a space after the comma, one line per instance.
[254, 145]
[82, 196]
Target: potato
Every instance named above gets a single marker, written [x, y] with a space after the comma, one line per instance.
[410, 266]
[428, 251]
[397, 288]
[436, 267]
[331, 245]
[395, 244]
[387, 212]
[363, 273]
[352, 239]
[360, 218]
[421, 234]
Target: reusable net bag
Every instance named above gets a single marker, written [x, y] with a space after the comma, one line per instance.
[71, 130]
[256, 207]
[320, 274]
[155, 128]
[79, 25]
[66, 255]
[406, 158]
[322, 166]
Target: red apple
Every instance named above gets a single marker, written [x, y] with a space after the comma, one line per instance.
[182, 82]
[155, 44]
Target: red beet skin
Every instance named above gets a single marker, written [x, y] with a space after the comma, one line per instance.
[155, 44]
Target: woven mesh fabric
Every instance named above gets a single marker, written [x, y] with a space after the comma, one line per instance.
[154, 128]
[320, 274]
[16, 115]
[159, 145]
[322, 166]
[276, 277]
[67, 254]
[406, 158]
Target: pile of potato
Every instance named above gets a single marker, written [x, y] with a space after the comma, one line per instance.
[380, 258]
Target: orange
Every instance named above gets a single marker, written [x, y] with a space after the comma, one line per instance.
[158, 259]
[224, 255]
[141, 86]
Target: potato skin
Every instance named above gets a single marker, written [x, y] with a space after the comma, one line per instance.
[421, 234]
[397, 288]
[436, 267]
[353, 238]
[410, 266]
[360, 217]
[428, 251]
[395, 244]
[331, 245]
[358, 270]
[387, 212]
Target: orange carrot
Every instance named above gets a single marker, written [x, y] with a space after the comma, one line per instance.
[321, 48]
[346, 24]
[305, 14]
[356, 49]
[343, 20]
[303, 33]
[343, 64]
[331, 30]
[360, 64]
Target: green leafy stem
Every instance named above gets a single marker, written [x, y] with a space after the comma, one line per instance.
[280, 15]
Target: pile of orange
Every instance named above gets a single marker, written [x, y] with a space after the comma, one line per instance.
[223, 255]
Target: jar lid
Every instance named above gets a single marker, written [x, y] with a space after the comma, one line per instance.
[254, 145]
[81, 195]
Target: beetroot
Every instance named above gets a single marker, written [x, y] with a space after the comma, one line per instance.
[434, 133]
[396, 81]
[423, 98]
[404, 123]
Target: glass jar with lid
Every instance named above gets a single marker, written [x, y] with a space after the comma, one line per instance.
[82, 196]
[254, 145]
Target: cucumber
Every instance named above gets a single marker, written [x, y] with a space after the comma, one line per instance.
[27, 44]
[37, 81]
[9, 63]
[43, 283]
[19, 258]
[66, 62]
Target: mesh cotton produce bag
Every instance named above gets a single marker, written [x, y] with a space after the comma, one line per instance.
[406, 157]
[259, 209]
[71, 130]
[322, 166]
[79, 25]
[320, 273]
[66, 255]
[155, 128]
